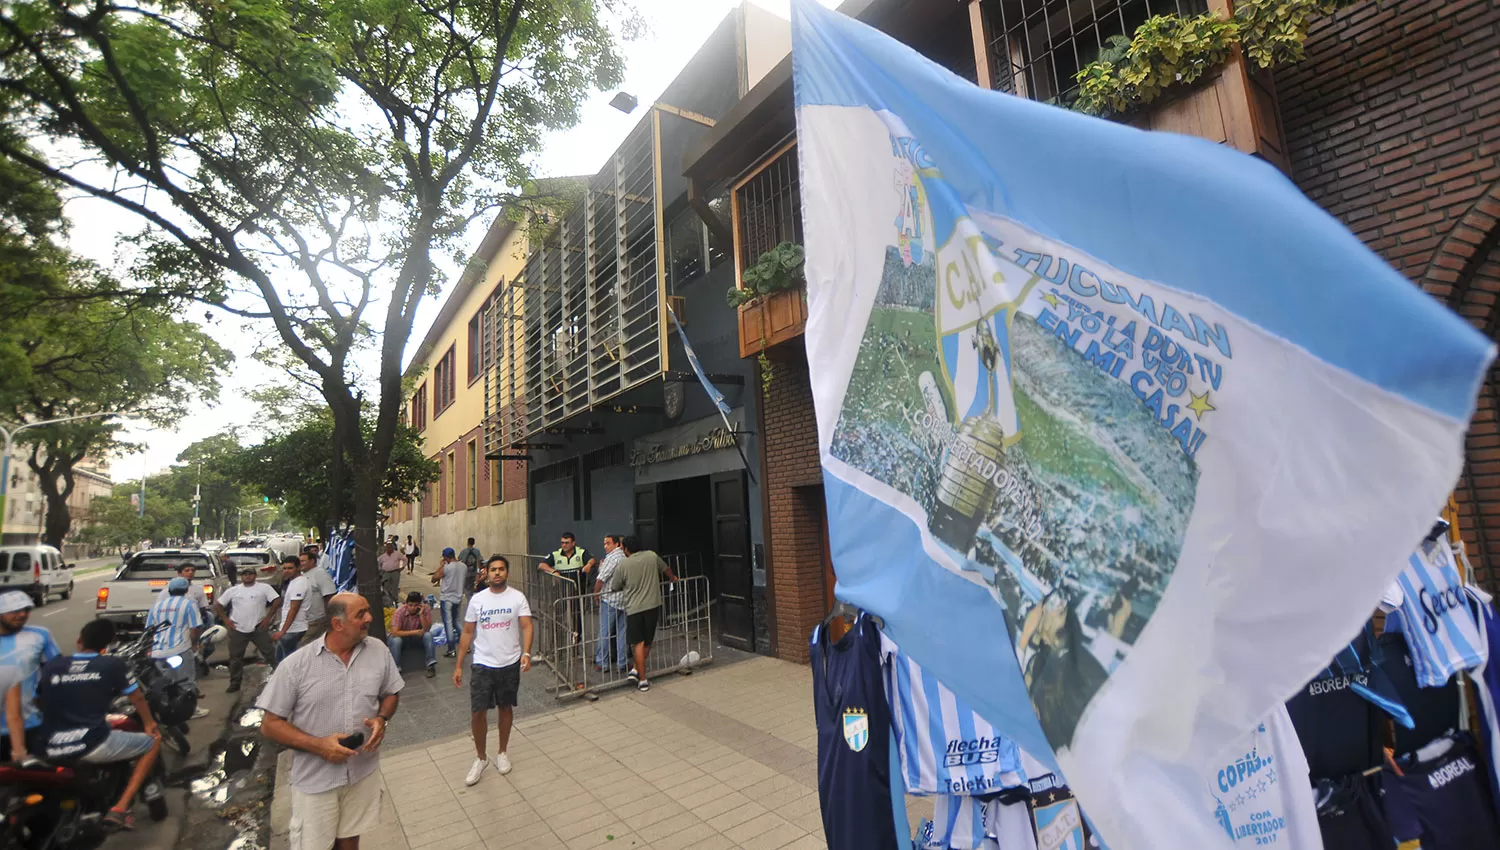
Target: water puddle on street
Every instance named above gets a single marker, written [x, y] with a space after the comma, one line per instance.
[229, 787]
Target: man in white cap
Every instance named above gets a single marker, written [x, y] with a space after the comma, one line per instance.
[23, 651]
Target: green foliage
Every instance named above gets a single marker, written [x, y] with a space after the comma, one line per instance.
[1274, 32]
[777, 269]
[1169, 50]
[295, 465]
[1165, 51]
[315, 155]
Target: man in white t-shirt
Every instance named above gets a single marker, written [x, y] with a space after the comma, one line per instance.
[293, 616]
[497, 625]
[247, 609]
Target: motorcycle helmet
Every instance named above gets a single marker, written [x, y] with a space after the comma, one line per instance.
[214, 634]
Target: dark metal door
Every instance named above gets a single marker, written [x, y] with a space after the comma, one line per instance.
[732, 567]
[647, 513]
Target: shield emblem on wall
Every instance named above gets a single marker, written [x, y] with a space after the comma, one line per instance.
[856, 729]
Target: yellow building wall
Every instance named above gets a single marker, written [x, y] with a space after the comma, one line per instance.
[496, 527]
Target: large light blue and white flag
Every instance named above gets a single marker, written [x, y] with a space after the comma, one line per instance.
[1123, 437]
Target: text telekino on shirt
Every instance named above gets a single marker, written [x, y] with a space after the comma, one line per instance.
[1122, 436]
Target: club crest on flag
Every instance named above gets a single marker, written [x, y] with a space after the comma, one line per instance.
[856, 729]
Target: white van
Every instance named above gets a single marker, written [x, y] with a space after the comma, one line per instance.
[39, 570]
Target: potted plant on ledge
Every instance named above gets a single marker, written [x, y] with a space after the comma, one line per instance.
[771, 299]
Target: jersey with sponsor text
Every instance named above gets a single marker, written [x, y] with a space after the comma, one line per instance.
[1435, 616]
[945, 747]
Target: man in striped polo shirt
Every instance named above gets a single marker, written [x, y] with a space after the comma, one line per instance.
[181, 623]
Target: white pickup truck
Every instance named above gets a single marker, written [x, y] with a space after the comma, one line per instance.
[130, 594]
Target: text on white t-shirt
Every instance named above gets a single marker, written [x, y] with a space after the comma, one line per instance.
[497, 626]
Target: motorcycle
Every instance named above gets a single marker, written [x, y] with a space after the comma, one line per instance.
[62, 807]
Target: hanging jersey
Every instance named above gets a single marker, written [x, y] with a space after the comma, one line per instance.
[1445, 801]
[1434, 711]
[1434, 616]
[945, 748]
[1058, 820]
[1487, 680]
[854, 739]
[1263, 796]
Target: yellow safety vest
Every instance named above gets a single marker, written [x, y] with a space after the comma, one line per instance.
[563, 564]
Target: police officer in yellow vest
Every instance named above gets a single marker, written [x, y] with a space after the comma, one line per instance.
[574, 563]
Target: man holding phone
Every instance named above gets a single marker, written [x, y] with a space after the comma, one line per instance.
[331, 702]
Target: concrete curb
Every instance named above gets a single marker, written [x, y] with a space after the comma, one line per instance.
[281, 803]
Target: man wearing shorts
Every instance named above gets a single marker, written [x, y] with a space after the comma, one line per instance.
[75, 693]
[497, 625]
[639, 576]
[343, 683]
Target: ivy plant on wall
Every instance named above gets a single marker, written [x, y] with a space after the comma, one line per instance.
[1170, 50]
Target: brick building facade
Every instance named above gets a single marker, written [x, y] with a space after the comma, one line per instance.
[1393, 125]
[799, 583]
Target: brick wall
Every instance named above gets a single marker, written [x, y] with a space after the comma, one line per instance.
[1393, 125]
[794, 522]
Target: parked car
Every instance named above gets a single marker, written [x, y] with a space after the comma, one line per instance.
[284, 545]
[129, 596]
[215, 546]
[37, 569]
[265, 561]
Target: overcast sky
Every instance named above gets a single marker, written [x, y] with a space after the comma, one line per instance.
[677, 27]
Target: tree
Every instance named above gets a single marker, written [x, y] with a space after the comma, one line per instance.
[98, 356]
[339, 144]
[295, 465]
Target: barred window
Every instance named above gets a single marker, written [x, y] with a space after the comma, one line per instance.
[1037, 47]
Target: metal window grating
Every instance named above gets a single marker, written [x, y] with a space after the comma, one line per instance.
[581, 323]
[769, 208]
[1038, 46]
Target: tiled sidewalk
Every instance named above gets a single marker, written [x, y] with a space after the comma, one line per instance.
[725, 758]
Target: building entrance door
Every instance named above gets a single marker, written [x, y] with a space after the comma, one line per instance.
[704, 519]
[732, 565]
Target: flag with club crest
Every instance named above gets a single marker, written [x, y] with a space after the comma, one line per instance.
[1122, 436]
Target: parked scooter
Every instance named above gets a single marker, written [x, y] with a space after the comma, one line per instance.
[62, 807]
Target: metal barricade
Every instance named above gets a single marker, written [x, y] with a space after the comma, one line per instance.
[684, 639]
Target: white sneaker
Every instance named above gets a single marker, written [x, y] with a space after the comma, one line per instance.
[502, 764]
[476, 772]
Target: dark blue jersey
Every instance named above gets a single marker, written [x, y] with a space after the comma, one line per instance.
[1445, 802]
[854, 740]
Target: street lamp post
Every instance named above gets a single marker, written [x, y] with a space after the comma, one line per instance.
[238, 528]
[9, 435]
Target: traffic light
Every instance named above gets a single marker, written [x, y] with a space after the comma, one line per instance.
[264, 499]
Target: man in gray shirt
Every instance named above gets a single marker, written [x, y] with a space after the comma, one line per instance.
[343, 684]
[639, 576]
[320, 589]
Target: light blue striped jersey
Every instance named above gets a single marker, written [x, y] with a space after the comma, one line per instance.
[1435, 616]
[25, 652]
[945, 747]
[180, 613]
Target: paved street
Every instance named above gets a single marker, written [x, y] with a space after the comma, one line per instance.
[64, 619]
[725, 758]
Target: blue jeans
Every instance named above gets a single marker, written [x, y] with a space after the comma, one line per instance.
[395, 644]
[611, 617]
[453, 622]
[287, 645]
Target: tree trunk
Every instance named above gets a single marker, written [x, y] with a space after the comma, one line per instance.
[366, 515]
[353, 457]
[58, 467]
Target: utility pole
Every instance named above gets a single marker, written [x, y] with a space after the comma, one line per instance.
[197, 497]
